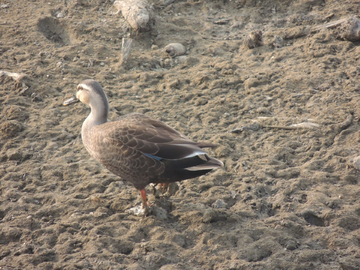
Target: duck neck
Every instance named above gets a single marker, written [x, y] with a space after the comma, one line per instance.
[99, 113]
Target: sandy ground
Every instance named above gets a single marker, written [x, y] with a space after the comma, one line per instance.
[288, 198]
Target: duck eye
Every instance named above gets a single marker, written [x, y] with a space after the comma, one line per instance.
[80, 88]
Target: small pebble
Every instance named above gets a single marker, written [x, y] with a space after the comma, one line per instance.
[219, 204]
[175, 49]
[278, 42]
[254, 40]
[209, 215]
[159, 212]
[60, 15]
[355, 162]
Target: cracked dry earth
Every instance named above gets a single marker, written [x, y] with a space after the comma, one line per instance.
[287, 198]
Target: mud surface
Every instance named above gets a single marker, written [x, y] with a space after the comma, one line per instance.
[288, 198]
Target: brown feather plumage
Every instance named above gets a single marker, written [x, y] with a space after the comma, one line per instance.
[138, 148]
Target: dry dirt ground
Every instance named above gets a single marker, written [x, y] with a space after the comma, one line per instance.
[287, 198]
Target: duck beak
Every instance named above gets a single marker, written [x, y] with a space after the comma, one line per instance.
[70, 101]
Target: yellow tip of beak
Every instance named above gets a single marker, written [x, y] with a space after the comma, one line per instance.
[70, 101]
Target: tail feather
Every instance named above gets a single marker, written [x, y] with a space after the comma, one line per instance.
[181, 169]
[211, 163]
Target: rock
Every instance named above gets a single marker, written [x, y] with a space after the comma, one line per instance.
[254, 39]
[219, 204]
[137, 211]
[355, 162]
[278, 42]
[175, 49]
[159, 212]
[291, 244]
[350, 29]
[210, 215]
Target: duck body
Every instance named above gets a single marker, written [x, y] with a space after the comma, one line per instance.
[138, 148]
[143, 150]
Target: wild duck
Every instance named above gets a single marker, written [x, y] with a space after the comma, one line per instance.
[138, 148]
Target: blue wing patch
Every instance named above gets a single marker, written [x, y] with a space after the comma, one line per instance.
[154, 157]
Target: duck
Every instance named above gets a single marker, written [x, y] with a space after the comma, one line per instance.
[137, 147]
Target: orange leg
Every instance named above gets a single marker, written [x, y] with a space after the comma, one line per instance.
[145, 204]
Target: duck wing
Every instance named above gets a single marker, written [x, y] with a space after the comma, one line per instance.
[143, 150]
[153, 137]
